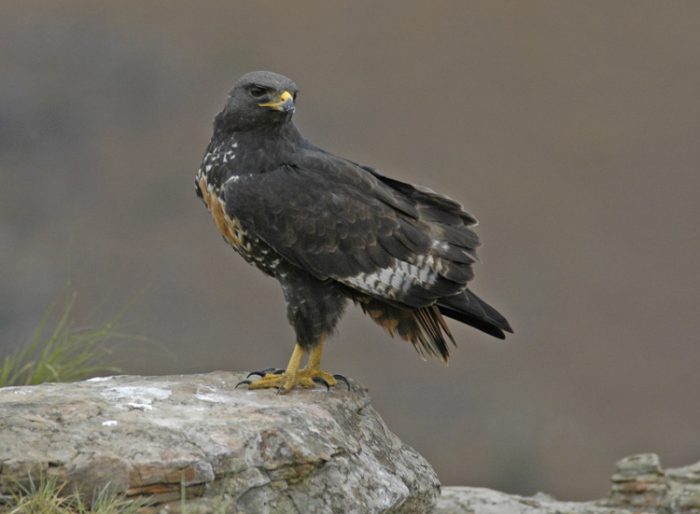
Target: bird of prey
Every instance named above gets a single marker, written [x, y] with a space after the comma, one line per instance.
[331, 230]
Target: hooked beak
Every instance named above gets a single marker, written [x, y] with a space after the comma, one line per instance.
[285, 103]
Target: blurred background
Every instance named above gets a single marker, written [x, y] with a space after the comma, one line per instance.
[570, 129]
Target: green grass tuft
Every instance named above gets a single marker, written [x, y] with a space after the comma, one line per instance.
[59, 351]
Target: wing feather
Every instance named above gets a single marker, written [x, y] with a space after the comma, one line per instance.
[339, 221]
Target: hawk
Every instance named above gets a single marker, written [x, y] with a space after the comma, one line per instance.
[331, 230]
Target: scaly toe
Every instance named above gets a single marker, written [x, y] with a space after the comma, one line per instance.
[269, 381]
[285, 382]
[305, 382]
[319, 377]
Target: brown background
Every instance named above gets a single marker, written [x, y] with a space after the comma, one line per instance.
[570, 129]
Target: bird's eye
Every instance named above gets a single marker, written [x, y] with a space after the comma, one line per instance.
[295, 96]
[257, 92]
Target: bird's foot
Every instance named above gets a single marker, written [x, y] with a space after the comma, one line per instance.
[285, 381]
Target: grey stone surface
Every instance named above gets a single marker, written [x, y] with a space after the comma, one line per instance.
[639, 486]
[639, 483]
[478, 500]
[684, 489]
[231, 450]
[227, 450]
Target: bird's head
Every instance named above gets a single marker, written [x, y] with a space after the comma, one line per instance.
[259, 99]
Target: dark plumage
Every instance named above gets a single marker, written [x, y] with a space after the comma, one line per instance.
[330, 230]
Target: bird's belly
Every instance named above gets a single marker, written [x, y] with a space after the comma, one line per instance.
[248, 245]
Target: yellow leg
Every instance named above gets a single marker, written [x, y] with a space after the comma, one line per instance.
[313, 366]
[284, 381]
[293, 376]
[294, 362]
[315, 357]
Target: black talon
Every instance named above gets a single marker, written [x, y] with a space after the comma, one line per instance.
[246, 382]
[260, 373]
[278, 371]
[342, 378]
[321, 380]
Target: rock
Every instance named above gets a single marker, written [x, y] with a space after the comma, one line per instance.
[229, 450]
[684, 489]
[222, 448]
[639, 486]
[478, 500]
[639, 483]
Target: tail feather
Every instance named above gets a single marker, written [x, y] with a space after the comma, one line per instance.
[472, 310]
[424, 328]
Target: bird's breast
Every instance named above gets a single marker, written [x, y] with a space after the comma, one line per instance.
[246, 243]
[230, 228]
[220, 162]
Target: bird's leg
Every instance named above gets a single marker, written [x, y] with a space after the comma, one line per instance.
[307, 377]
[286, 381]
[312, 371]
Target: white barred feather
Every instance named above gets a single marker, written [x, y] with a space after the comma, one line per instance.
[398, 278]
